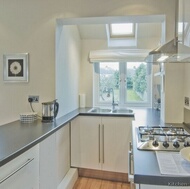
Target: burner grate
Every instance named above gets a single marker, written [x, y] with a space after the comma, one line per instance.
[162, 138]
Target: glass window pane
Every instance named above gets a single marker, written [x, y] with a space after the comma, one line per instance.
[136, 84]
[109, 82]
[122, 29]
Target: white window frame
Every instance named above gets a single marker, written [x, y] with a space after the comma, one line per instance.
[122, 97]
[112, 35]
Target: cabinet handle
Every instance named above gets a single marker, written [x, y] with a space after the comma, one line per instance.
[16, 170]
[130, 146]
[99, 143]
[103, 141]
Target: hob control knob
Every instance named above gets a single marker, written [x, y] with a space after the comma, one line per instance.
[165, 144]
[186, 144]
[155, 143]
[176, 144]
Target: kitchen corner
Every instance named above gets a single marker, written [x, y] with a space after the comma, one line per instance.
[145, 171]
[32, 147]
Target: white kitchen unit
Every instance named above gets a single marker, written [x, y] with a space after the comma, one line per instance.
[116, 133]
[54, 158]
[85, 142]
[100, 142]
[22, 172]
[48, 163]
[62, 153]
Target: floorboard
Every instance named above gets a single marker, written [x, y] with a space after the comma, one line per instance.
[89, 183]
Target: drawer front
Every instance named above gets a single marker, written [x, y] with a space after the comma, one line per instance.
[22, 172]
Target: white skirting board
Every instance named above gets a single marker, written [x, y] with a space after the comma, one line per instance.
[69, 179]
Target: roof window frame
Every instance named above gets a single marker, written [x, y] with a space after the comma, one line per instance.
[122, 35]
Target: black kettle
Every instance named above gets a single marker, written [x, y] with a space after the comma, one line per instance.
[49, 111]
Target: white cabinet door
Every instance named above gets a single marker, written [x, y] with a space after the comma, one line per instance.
[100, 143]
[48, 163]
[85, 135]
[22, 172]
[62, 152]
[116, 136]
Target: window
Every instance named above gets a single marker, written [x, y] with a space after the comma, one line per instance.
[122, 30]
[127, 83]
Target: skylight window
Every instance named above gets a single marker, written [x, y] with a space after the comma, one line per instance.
[122, 30]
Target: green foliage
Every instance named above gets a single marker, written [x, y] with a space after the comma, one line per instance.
[140, 84]
[109, 81]
[129, 82]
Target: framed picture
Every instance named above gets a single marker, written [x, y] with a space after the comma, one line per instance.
[15, 67]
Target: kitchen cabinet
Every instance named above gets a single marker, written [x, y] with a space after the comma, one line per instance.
[22, 172]
[62, 152]
[85, 142]
[100, 142]
[54, 158]
[48, 163]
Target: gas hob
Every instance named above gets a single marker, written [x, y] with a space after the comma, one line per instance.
[162, 138]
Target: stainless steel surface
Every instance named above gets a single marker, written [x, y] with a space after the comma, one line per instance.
[49, 111]
[110, 111]
[99, 110]
[130, 172]
[16, 170]
[103, 141]
[123, 111]
[130, 166]
[99, 143]
[175, 49]
[162, 138]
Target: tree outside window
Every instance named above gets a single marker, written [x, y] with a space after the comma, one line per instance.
[135, 83]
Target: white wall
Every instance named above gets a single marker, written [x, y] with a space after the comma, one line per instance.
[68, 52]
[29, 26]
[86, 72]
[173, 92]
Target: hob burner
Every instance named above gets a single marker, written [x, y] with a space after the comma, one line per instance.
[162, 138]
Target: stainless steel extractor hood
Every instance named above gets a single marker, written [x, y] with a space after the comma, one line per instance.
[172, 52]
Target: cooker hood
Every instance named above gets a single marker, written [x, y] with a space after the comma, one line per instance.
[174, 51]
[171, 52]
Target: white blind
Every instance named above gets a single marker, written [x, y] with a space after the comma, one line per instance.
[124, 55]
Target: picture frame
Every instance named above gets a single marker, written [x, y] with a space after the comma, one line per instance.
[15, 67]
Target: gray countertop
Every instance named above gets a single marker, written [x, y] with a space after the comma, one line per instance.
[146, 169]
[17, 137]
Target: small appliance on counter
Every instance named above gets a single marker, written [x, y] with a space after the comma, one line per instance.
[49, 111]
[28, 117]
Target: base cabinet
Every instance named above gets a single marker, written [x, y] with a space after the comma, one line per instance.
[62, 151]
[44, 166]
[85, 144]
[54, 158]
[100, 143]
[22, 172]
[48, 163]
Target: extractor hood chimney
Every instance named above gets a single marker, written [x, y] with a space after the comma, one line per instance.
[173, 51]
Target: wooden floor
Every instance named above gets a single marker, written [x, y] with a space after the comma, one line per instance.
[88, 183]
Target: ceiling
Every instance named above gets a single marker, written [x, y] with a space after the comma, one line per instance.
[98, 31]
[148, 35]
